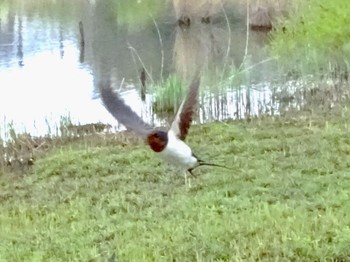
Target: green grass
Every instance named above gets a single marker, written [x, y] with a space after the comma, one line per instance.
[315, 35]
[285, 199]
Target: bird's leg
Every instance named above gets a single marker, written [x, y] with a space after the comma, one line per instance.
[187, 180]
[190, 171]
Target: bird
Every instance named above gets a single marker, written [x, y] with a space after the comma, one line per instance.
[169, 145]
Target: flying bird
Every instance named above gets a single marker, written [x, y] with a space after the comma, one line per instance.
[170, 144]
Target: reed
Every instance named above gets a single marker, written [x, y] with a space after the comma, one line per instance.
[168, 95]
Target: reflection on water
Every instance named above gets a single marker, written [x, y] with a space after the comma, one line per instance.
[240, 103]
[43, 90]
[53, 54]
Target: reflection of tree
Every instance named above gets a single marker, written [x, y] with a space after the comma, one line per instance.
[7, 37]
[136, 14]
[82, 43]
[61, 41]
[198, 46]
[20, 42]
[114, 45]
[194, 9]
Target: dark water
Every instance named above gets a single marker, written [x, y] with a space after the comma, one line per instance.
[49, 73]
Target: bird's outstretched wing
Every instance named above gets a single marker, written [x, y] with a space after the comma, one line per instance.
[184, 116]
[122, 112]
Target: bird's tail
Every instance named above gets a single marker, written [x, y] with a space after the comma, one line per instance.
[203, 163]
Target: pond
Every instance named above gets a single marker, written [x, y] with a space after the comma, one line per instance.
[53, 54]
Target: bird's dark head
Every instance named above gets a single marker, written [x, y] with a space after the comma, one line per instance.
[157, 140]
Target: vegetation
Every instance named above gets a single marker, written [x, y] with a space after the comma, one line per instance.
[316, 33]
[168, 94]
[285, 198]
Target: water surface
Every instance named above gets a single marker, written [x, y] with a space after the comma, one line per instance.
[48, 74]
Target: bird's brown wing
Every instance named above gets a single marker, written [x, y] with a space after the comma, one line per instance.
[122, 112]
[184, 116]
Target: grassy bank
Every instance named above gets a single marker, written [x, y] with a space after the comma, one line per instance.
[286, 198]
[316, 34]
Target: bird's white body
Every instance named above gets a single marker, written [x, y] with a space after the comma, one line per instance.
[170, 146]
[178, 153]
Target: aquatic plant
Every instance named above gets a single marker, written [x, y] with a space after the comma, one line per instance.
[168, 95]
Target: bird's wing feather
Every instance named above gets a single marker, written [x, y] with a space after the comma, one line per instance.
[184, 116]
[122, 112]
